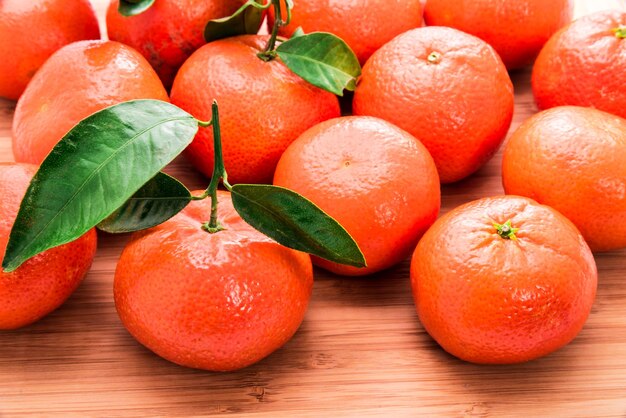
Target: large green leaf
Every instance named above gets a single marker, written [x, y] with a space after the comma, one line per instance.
[323, 60]
[295, 222]
[134, 7]
[156, 202]
[246, 20]
[93, 170]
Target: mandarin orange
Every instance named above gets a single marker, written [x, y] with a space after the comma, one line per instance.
[218, 301]
[365, 25]
[263, 106]
[448, 89]
[377, 180]
[582, 65]
[103, 73]
[573, 159]
[31, 31]
[517, 29]
[169, 31]
[503, 280]
[44, 282]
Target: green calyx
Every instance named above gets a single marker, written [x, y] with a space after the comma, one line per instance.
[620, 32]
[212, 229]
[506, 231]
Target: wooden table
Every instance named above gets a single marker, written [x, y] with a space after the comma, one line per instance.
[360, 351]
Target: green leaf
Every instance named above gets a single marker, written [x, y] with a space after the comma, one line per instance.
[134, 7]
[323, 60]
[93, 170]
[156, 202]
[246, 20]
[295, 222]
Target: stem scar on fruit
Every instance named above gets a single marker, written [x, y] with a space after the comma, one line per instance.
[620, 32]
[434, 57]
[506, 231]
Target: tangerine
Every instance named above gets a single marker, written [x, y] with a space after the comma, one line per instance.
[503, 280]
[581, 65]
[264, 106]
[516, 29]
[104, 73]
[375, 179]
[31, 31]
[365, 25]
[168, 32]
[448, 89]
[219, 301]
[43, 282]
[573, 159]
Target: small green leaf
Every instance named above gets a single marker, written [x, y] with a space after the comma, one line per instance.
[298, 32]
[156, 202]
[246, 20]
[295, 222]
[134, 7]
[323, 60]
[93, 171]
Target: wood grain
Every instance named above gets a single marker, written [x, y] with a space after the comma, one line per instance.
[360, 351]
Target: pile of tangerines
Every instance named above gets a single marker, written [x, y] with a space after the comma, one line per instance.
[503, 279]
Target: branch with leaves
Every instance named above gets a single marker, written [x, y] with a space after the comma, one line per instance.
[106, 172]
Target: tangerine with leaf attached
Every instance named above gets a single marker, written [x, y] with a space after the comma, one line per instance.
[264, 106]
[216, 301]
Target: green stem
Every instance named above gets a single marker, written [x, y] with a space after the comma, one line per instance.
[506, 231]
[219, 172]
[269, 52]
[620, 32]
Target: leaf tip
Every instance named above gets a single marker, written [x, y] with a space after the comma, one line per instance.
[9, 265]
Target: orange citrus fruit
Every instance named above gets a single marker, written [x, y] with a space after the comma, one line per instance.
[583, 64]
[448, 89]
[516, 29]
[169, 31]
[31, 31]
[377, 180]
[103, 73]
[503, 280]
[573, 159]
[365, 25]
[263, 106]
[218, 301]
[44, 282]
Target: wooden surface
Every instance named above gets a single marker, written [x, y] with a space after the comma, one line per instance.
[360, 351]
